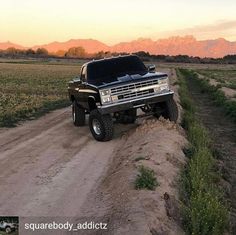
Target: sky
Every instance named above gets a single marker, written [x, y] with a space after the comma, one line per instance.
[34, 22]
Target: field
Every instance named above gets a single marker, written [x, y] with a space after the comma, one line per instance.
[224, 79]
[197, 153]
[28, 89]
[215, 109]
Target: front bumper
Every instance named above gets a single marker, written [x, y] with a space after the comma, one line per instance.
[135, 103]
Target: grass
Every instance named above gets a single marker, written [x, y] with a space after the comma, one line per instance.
[218, 96]
[30, 90]
[146, 179]
[220, 75]
[226, 78]
[204, 210]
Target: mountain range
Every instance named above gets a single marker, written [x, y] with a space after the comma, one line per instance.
[187, 45]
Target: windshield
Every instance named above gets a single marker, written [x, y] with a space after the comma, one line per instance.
[106, 71]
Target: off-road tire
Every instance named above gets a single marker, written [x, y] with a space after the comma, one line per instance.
[8, 230]
[128, 117]
[78, 114]
[106, 126]
[169, 110]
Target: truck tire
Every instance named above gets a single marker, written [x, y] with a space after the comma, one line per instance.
[169, 110]
[8, 230]
[78, 114]
[127, 117]
[101, 126]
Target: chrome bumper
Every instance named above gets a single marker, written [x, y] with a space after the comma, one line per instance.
[135, 103]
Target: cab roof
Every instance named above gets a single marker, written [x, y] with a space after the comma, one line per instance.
[110, 58]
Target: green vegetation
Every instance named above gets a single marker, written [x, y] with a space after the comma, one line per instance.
[146, 179]
[204, 210]
[217, 95]
[225, 78]
[29, 90]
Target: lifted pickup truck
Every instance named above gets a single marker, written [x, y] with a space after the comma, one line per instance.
[114, 88]
[7, 227]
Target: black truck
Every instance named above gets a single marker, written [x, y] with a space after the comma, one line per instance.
[113, 89]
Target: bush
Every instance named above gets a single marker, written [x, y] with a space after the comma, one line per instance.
[146, 179]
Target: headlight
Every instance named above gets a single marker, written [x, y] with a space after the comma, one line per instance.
[164, 81]
[105, 96]
[106, 99]
[164, 84]
[164, 87]
[105, 92]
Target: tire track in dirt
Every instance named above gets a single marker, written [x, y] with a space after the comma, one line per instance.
[48, 166]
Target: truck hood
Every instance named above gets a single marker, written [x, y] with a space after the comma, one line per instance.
[133, 78]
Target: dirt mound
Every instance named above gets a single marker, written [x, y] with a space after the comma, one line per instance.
[156, 144]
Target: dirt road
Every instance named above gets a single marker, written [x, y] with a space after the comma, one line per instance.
[48, 167]
[48, 163]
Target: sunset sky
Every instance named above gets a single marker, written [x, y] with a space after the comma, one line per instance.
[30, 22]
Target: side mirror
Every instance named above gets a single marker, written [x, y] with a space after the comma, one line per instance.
[151, 68]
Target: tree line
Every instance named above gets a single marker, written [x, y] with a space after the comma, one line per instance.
[80, 53]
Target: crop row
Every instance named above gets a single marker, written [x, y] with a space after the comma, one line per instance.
[27, 90]
[204, 208]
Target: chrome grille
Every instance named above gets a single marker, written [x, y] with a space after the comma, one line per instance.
[134, 90]
[133, 86]
[139, 93]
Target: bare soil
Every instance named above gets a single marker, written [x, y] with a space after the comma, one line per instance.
[156, 144]
[48, 166]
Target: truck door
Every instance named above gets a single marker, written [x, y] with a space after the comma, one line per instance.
[83, 91]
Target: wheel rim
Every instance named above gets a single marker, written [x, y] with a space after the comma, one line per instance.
[8, 230]
[96, 126]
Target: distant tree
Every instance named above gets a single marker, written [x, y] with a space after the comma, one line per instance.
[60, 53]
[41, 52]
[142, 54]
[30, 52]
[182, 58]
[2, 52]
[100, 54]
[159, 57]
[11, 51]
[229, 59]
[76, 52]
[169, 59]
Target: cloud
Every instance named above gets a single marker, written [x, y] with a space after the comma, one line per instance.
[222, 26]
[226, 29]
